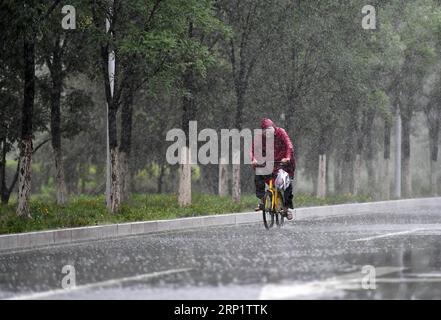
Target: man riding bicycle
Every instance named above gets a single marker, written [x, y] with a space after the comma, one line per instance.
[284, 154]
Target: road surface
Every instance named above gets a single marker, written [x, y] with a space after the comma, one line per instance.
[323, 258]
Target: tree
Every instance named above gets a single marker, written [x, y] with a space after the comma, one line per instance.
[432, 111]
[164, 44]
[27, 26]
[64, 54]
[254, 25]
[419, 54]
[9, 128]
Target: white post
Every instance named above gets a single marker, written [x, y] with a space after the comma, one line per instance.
[184, 198]
[321, 179]
[111, 68]
[223, 177]
[397, 153]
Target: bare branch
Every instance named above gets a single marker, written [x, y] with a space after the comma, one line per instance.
[49, 11]
[152, 13]
[40, 145]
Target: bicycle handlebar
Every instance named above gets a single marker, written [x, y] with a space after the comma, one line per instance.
[263, 165]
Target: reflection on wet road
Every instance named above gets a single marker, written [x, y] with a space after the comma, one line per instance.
[308, 259]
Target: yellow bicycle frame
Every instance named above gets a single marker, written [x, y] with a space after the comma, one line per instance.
[274, 196]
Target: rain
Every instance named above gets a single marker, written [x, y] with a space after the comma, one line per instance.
[113, 113]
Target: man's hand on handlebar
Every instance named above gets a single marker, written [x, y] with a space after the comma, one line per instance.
[256, 164]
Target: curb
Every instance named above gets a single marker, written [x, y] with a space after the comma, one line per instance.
[74, 235]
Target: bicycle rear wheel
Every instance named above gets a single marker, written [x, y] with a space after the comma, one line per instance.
[268, 214]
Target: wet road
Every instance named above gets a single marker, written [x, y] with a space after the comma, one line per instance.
[326, 258]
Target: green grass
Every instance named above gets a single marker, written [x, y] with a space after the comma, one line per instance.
[87, 210]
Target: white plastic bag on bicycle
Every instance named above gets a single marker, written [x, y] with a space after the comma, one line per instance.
[282, 180]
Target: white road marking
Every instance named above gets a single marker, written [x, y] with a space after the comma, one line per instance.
[316, 289]
[44, 294]
[425, 275]
[332, 286]
[407, 280]
[337, 215]
[387, 235]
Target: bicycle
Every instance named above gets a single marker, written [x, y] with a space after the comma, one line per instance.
[273, 202]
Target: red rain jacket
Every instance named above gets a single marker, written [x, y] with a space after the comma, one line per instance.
[283, 148]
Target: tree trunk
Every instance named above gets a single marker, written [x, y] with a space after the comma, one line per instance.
[406, 173]
[223, 178]
[60, 178]
[110, 87]
[24, 181]
[126, 138]
[236, 183]
[56, 70]
[161, 178]
[322, 166]
[125, 175]
[6, 194]
[407, 183]
[189, 114]
[385, 177]
[126, 146]
[236, 188]
[337, 176]
[365, 124]
[185, 177]
[357, 175]
[370, 165]
[434, 167]
[328, 175]
[398, 154]
[3, 187]
[321, 179]
[5, 198]
[347, 174]
[115, 195]
[434, 177]
[348, 157]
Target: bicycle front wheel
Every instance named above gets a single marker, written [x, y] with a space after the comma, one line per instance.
[268, 214]
[280, 219]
